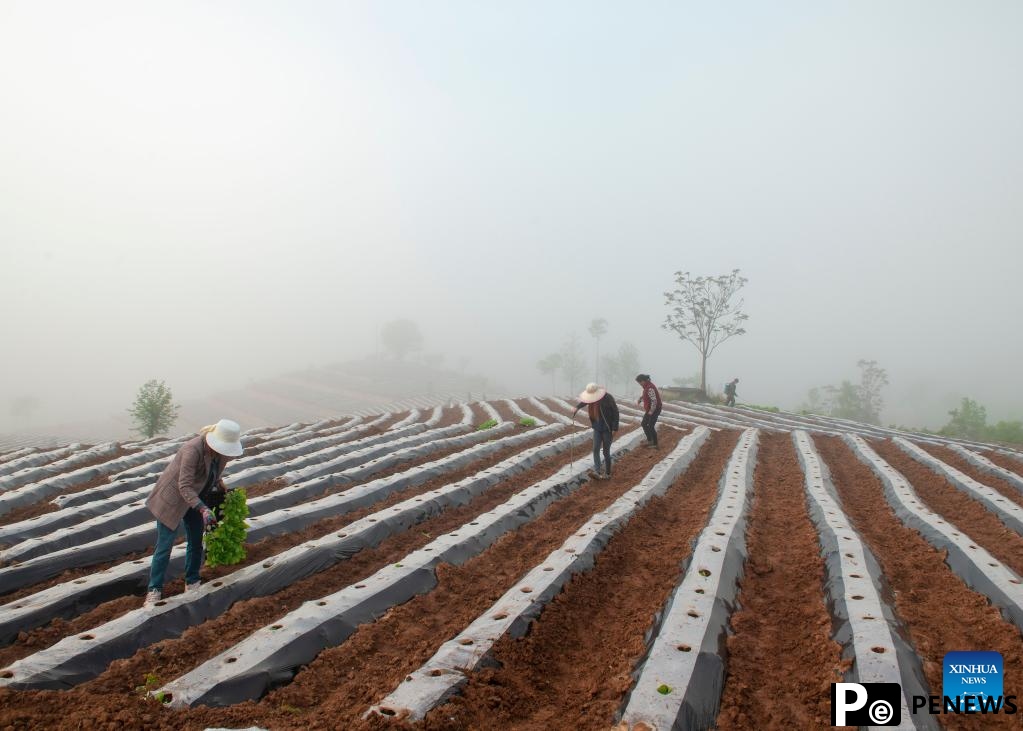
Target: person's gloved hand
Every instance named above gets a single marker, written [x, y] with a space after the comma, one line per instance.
[209, 520]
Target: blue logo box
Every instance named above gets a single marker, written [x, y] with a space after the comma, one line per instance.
[976, 674]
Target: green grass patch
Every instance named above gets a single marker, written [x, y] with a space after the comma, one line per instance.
[488, 424]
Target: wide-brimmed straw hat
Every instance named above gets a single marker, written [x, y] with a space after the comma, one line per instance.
[592, 393]
[225, 438]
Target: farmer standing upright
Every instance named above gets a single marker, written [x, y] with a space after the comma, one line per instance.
[187, 486]
[730, 391]
[603, 412]
[651, 400]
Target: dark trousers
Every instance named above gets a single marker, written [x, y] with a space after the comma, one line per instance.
[601, 442]
[731, 400]
[650, 425]
[165, 541]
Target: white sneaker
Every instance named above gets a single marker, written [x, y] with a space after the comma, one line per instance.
[152, 598]
[189, 588]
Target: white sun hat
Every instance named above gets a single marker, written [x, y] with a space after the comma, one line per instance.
[225, 438]
[592, 393]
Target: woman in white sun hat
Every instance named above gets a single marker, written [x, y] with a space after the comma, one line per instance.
[603, 413]
[190, 482]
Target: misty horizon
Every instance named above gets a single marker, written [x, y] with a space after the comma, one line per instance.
[215, 195]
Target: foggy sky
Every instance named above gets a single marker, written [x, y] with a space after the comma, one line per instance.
[209, 193]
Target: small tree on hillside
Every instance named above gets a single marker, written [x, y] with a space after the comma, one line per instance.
[969, 421]
[872, 379]
[154, 410]
[598, 328]
[705, 311]
[844, 402]
[549, 365]
[628, 361]
[572, 365]
[401, 337]
[612, 370]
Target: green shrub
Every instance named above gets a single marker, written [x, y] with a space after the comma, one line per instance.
[488, 424]
[527, 421]
[225, 546]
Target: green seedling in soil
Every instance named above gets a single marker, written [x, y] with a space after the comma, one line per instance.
[150, 682]
[663, 689]
[287, 708]
[704, 572]
[225, 546]
[488, 424]
[527, 421]
[162, 697]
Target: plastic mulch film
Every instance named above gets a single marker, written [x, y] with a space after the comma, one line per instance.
[981, 571]
[678, 684]
[444, 673]
[858, 596]
[271, 655]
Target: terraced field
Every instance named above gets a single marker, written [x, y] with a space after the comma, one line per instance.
[409, 569]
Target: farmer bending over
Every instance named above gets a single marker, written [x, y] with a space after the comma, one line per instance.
[651, 400]
[187, 486]
[603, 413]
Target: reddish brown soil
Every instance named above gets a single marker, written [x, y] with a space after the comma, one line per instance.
[953, 459]
[979, 523]
[72, 574]
[504, 411]
[342, 682]
[40, 638]
[1013, 465]
[478, 414]
[941, 613]
[112, 692]
[45, 505]
[784, 623]
[563, 674]
[450, 416]
[526, 406]
[392, 420]
[263, 488]
[258, 489]
[463, 592]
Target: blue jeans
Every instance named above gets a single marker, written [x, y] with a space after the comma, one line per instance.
[165, 541]
[601, 442]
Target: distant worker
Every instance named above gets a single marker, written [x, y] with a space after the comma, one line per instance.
[603, 413]
[651, 400]
[189, 485]
[730, 392]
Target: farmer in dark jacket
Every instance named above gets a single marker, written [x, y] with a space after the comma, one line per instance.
[730, 391]
[188, 486]
[651, 400]
[603, 412]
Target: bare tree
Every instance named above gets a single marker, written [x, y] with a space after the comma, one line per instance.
[598, 328]
[549, 366]
[154, 410]
[702, 312]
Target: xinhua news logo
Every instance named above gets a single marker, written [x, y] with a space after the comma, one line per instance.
[866, 704]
